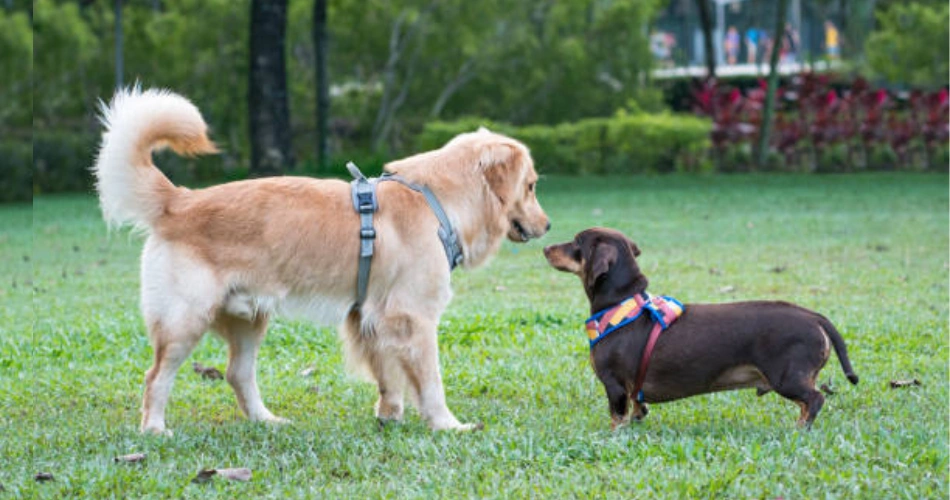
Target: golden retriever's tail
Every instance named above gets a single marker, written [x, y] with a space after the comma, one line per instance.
[131, 189]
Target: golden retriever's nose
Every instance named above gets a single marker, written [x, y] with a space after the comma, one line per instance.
[547, 227]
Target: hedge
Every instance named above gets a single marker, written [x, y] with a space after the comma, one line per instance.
[61, 162]
[16, 170]
[623, 144]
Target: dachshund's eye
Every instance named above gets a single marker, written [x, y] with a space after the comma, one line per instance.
[577, 254]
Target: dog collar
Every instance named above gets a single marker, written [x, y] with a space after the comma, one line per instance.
[664, 310]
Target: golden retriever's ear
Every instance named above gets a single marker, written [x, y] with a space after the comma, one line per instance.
[499, 162]
[492, 154]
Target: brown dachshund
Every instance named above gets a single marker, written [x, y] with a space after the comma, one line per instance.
[711, 347]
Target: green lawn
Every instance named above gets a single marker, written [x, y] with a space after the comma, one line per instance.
[868, 251]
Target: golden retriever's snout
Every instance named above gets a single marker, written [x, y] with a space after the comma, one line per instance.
[521, 232]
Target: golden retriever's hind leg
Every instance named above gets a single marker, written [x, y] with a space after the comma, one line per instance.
[244, 339]
[170, 352]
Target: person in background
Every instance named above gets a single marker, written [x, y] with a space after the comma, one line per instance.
[789, 44]
[832, 48]
[731, 45]
[767, 44]
[658, 46]
[751, 45]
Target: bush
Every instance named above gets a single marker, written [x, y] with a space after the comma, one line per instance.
[62, 160]
[910, 44]
[882, 157]
[623, 144]
[16, 169]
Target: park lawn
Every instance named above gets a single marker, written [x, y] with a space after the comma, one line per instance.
[870, 251]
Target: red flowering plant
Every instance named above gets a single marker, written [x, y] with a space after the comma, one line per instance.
[935, 128]
[730, 113]
[832, 124]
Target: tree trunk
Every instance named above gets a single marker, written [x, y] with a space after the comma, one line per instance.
[768, 110]
[119, 60]
[462, 77]
[323, 84]
[396, 47]
[705, 20]
[271, 152]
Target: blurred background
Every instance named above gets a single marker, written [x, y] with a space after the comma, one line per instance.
[592, 86]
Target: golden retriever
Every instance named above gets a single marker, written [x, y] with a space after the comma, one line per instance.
[229, 257]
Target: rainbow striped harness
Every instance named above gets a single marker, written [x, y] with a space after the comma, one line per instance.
[663, 310]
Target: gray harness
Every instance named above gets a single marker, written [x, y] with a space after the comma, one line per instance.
[366, 204]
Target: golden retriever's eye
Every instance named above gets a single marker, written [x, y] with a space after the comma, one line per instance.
[531, 187]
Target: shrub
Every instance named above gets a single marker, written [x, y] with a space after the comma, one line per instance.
[16, 169]
[61, 162]
[820, 126]
[623, 144]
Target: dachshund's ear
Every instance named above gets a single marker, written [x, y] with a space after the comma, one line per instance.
[602, 258]
[635, 248]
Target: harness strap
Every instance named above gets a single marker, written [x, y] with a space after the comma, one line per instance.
[666, 316]
[364, 201]
[645, 361]
[366, 204]
[448, 236]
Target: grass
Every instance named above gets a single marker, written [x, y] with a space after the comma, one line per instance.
[869, 251]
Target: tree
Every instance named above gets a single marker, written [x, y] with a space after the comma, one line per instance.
[910, 46]
[705, 20]
[769, 108]
[119, 60]
[271, 152]
[323, 83]
[16, 63]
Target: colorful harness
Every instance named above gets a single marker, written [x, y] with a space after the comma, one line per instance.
[663, 310]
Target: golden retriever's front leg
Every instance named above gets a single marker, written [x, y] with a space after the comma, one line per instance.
[244, 339]
[425, 380]
[391, 382]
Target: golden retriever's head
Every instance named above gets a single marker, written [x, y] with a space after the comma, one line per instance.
[486, 181]
[508, 171]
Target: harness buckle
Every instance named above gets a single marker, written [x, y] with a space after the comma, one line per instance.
[366, 207]
[367, 233]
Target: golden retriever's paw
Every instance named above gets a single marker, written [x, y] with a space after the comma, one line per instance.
[459, 427]
[276, 421]
[157, 431]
